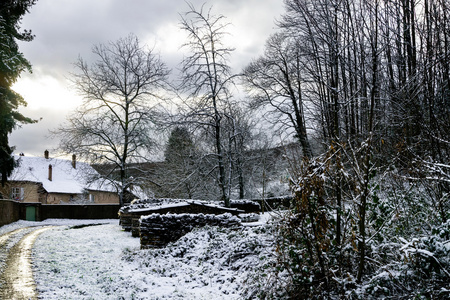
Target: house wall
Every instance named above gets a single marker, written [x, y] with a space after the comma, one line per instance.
[56, 198]
[30, 193]
[105, 197]
[59, 198]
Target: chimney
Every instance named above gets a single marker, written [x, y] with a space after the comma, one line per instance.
[50, 172]
[46, 154]
[74, 161]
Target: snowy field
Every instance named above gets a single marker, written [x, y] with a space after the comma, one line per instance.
[101, 261]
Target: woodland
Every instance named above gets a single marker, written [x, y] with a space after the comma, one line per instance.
[347, 110]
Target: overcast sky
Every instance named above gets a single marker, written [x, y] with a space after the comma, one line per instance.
[66, 29]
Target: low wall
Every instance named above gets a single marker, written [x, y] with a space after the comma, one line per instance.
[72, 211]
[9, 211]
[12, 211]
[157, 230]
[129, 218]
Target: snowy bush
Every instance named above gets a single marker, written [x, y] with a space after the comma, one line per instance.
[404, 233]
[417, 268]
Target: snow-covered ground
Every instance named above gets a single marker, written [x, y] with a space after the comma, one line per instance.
[101, 261]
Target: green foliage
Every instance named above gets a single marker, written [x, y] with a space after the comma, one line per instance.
[417, 268]
[12, 64]
[179, 146]
[180, 177]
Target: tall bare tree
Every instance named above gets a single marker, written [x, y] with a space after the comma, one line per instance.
[122, 91]
[206, 77]
[275, 84]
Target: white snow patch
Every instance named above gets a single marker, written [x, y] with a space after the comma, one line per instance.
[104, 262]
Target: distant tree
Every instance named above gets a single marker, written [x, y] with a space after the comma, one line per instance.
[180, 169]
[122, 91]
[206, 77]
[12, 64]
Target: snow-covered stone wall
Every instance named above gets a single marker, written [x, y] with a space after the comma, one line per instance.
[129, 215]
[158, 230]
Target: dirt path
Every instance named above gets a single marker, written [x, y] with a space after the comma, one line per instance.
[16, 280]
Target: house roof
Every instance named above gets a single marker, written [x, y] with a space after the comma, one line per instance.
[65, 178]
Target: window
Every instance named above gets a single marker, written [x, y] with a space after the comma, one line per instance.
[17, 193]
[91, 198]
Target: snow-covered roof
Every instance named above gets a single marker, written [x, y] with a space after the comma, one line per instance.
[65, 178]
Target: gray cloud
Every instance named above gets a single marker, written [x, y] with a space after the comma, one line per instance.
[66, 29]
[34, 139]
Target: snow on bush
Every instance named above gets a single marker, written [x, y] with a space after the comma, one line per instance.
[419, 267]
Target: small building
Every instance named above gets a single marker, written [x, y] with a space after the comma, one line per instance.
[57, 181]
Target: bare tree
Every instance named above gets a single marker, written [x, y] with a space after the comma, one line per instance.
[206, 76]
[275, 83]
[122, 91]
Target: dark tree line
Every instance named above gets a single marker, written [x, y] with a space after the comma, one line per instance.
[369, 80]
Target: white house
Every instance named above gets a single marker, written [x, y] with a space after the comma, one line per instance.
[55, 181]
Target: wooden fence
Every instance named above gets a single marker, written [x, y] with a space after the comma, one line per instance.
[9, 211]
[12, 211]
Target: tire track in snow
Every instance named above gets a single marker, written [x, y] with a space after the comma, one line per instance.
[5, 240]
[17, 277]
[5, 237]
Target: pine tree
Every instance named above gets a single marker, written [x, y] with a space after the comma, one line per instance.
[12, 64]
[181, 168]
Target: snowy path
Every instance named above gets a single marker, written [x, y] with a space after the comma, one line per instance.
[96, 259]
[16, 277]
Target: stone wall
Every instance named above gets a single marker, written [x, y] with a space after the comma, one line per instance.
[248, 206]
[158, 230]
[129, 217]
[274, 203]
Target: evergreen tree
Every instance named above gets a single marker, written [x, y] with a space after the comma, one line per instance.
[181, 178]
[179, 145]
[12, 63]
